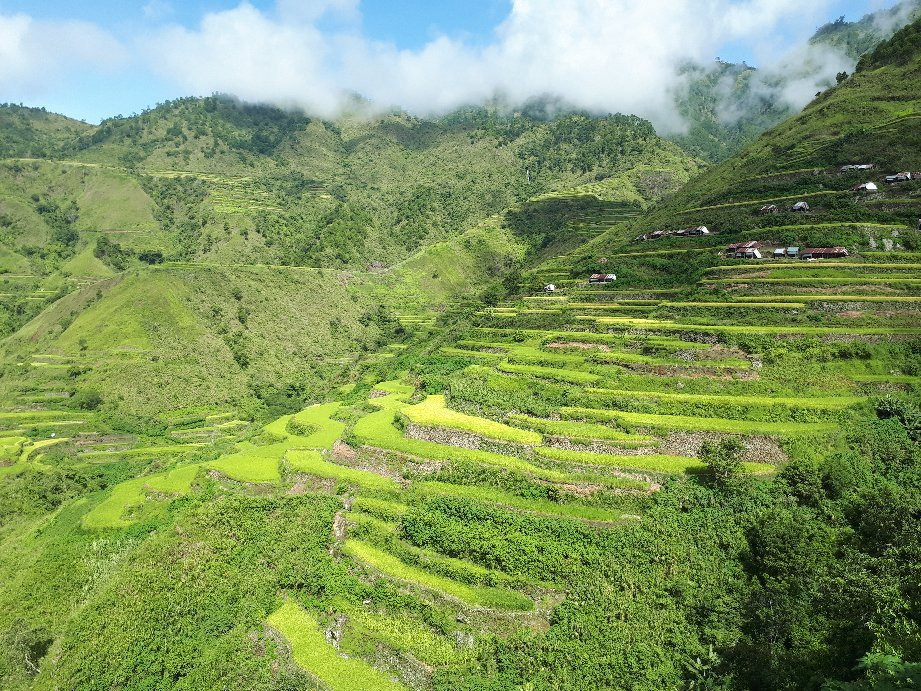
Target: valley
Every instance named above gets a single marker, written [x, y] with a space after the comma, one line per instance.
[428, 451]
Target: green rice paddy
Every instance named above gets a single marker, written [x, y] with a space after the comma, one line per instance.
[700, 424]
[311, 651]
[474, 596]
[433, 412]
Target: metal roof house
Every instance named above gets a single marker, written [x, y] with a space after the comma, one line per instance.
[898, 177]
[742, 246]
[865, 187]
[824, 253]
[768, 210]
[782, 252]
[602, 278]
[800, 207]
[857, 166]
[744, 250]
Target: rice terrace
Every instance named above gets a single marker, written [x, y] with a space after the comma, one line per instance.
[516, 385]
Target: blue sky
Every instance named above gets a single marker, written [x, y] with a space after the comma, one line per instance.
[95, 58]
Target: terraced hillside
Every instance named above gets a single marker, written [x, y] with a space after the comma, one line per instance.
[703, 474]
[508, 493]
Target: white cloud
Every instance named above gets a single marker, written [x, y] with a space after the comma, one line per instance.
[603, 55]
[35, 53]
[312, 10]
[157, 9]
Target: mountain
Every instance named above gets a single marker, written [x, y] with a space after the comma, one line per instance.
[676, 468]
[728, 105]
[256, 184]
[870, 118]
[34, 132]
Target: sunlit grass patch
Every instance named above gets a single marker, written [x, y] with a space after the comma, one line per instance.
[834, 298]
[311, 651]
[109, 513]
[541, 506]
[385, 510]
[653, 324]
[701, 424]
[658, 463]
[327, 431]
[824, 403]
[564, 375]
[579, 430]
[476, 596]
[252, 464]
[736, 305]
[377, 429]
[142, 451]
[625, 358]
[434, 413]
[312, 463]
[406, 635]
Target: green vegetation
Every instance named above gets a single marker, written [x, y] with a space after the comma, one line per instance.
[704, 424]
[540, 506]
[471, 595]
[311, 651]
[433, 412]
[223, 466]
[312, 463]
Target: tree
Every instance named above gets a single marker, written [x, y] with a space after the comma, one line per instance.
[723, 459]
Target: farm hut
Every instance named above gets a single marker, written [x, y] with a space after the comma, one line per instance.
[698, 230]
[856, 166]
[656, 234]
[602, 278]
[736, 247]
[898, 177]
[550, 288]
[792, 251]
[800, 207]
[780, 253]
[768, 210]
[824, 253]
[640, 238]
[865, 187]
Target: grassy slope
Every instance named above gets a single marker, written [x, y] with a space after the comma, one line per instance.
[775, 582]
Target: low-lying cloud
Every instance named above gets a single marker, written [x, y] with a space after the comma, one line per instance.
[601, 55]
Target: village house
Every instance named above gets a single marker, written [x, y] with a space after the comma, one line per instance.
[857, 166]
[824, 253]
[744, 250]
[800, 207]
[784, 252]
[865, 187]
[602, 278]
[898, 177]
[550, 288]
[684, 232]
[768, 210]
